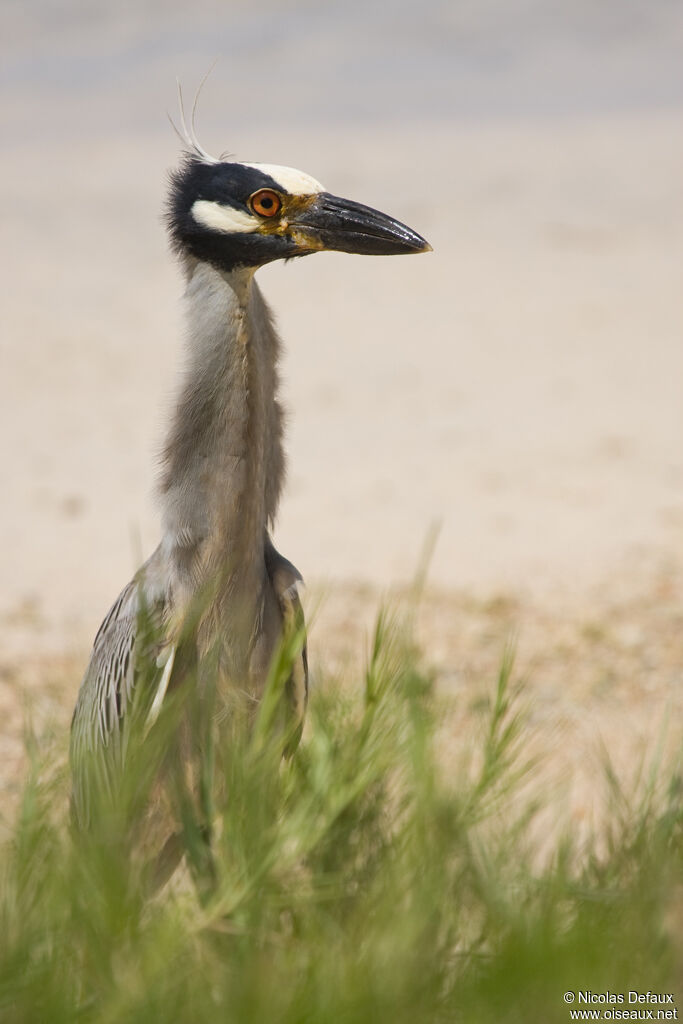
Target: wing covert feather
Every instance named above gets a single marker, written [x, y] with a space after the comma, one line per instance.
[108, 684]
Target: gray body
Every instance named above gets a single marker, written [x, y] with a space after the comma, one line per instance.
[222, 477]
[224, 468]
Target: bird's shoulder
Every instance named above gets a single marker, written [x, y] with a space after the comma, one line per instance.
[286, 579]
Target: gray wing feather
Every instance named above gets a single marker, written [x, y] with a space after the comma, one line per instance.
[285, 579]
[109, 680]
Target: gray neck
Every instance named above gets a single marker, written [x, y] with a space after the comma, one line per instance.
[223, 460]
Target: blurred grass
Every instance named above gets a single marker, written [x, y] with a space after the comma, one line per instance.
[352, 882]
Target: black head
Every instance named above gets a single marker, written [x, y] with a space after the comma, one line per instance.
[244, 215]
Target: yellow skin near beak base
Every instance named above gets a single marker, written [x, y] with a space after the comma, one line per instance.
[281, 224]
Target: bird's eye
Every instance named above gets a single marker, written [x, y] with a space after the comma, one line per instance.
[265, 202]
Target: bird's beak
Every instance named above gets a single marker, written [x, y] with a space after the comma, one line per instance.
[328, 222]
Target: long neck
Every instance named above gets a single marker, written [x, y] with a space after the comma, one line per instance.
[223, 461]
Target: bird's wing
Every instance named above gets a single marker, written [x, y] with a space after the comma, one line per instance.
[285, 579]
[111, 675]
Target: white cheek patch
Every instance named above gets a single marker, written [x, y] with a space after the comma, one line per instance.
[295, 182]
[223, 218]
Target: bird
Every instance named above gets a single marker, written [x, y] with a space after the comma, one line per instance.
[216, 589]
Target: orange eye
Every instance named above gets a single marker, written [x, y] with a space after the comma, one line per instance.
[265, 202]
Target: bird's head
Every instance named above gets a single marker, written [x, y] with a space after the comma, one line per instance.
[244, 215]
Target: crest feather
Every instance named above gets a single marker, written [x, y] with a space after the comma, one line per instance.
[188, 136]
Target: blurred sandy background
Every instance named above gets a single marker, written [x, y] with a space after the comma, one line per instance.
[521, 385]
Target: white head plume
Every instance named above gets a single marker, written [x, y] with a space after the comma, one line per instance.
[188, 136]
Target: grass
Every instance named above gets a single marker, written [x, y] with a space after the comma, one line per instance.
[353, 882]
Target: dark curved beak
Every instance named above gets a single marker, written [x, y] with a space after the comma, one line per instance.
[328, 222]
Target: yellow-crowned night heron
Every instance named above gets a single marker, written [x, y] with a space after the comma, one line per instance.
[223, 462]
